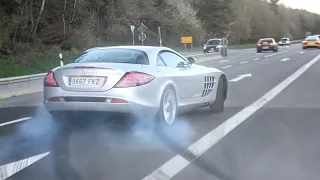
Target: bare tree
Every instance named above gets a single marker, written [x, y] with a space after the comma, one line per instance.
[38, 19]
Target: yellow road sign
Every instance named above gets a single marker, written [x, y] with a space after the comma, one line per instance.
[186, 40]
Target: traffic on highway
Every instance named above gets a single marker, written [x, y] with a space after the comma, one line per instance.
[145, 113]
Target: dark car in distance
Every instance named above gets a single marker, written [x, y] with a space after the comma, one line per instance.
[267, 44]
[212, 45]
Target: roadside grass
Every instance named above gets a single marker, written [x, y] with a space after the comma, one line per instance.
[11, 66]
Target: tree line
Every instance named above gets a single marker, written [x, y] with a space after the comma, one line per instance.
[30, 24]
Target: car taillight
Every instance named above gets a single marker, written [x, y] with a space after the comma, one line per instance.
[49, 80]
[271, 44]
[317, 42]
[134, 79]
[304, 42]
[259, 44]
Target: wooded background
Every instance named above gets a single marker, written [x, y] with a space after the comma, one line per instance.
[27, 25]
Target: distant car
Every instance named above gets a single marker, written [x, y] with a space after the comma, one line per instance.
[138, 80]
[311, 42]
[284, 41]
[212, 45]
[267, 44]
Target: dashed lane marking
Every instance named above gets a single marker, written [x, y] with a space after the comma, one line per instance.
[244, 62]
[15, 121]
[225, 67]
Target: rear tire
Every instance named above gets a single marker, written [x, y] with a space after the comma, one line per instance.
[275, 50]
[258, 51]
[218, 105]
[168, 107]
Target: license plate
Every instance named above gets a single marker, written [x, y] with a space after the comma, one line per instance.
[85, 81]
[265, 47]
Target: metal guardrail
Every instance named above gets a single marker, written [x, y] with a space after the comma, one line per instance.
[18, 79]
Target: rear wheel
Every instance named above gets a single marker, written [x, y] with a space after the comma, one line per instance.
[168, 107]
[218, 105]
[275, 50]
[258, 51]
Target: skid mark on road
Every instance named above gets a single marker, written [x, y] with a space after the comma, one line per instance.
[172, 167]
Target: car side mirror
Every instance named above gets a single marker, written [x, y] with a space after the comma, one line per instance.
[191, 60]
[181, 65]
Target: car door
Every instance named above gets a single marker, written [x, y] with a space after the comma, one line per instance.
[187, 79]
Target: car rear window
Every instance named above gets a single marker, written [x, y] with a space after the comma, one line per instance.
[311, 39]
[213, 42]
[116, 55]
[284, 39]
[265, 40]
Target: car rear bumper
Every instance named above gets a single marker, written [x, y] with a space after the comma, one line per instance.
[267, 49]
[212, 50]
[311, 46]
[135, 100]
[128, 108]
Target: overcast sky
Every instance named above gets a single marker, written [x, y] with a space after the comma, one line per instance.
[309, 5]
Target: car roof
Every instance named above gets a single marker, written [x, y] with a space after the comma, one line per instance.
[214, 39]
[266, 39]
[313, 36]
[147, 49]
[152, 51]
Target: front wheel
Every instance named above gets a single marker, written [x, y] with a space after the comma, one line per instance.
[218, 105]
[168, 107]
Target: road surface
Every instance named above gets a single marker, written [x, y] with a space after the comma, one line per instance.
[269, 130]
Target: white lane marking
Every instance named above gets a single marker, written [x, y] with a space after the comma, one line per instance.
[301, 52]
[256, 59]
[10, 169]
[285, 59]
[276, 54]
[243, 62]
[170, 169]
[240, 77]
[15, 121]
[224, 67]
[223, 61]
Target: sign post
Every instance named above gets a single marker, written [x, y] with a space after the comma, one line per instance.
[186, 40]
[142, 28]
[160, 37]
[132, 30]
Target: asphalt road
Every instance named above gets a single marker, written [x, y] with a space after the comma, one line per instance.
[269, 130]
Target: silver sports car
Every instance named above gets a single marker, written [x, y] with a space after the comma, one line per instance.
[139, 80]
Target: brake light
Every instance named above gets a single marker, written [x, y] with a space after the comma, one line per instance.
[271, 44]
[304, 42]
[134, 79]
[49, 80]
[317, 42]
[259, 44]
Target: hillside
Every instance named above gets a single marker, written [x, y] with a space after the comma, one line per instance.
[31, 29]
